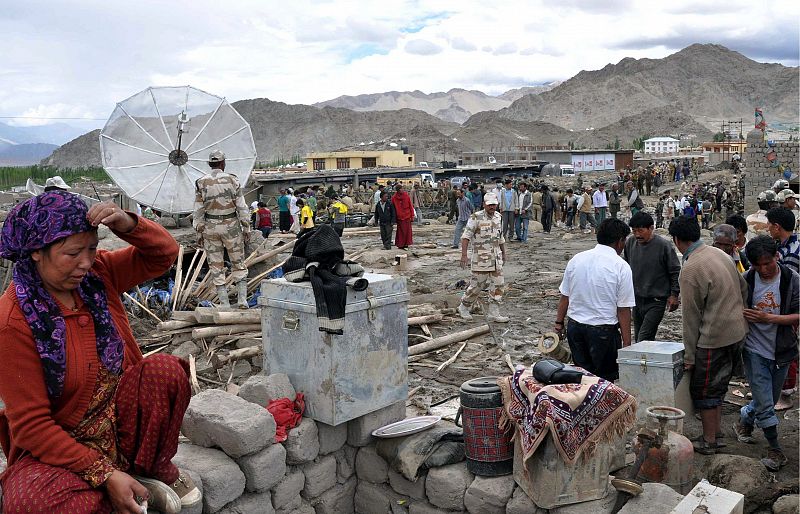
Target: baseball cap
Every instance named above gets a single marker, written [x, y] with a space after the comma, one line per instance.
[787, 193]
[216, 156]
[490, 199]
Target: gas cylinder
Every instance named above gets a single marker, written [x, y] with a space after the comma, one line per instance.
[489, 449]
[670, 458]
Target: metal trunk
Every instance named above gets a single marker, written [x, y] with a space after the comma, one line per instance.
[342, 376]
[652, 371]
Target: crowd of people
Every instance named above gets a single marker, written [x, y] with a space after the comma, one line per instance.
[739, 310]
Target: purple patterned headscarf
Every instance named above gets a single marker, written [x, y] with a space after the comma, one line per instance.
[33, 225]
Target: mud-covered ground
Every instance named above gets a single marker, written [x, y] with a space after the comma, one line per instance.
[532, 275]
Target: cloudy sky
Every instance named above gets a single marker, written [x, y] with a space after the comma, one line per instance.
[76, 59]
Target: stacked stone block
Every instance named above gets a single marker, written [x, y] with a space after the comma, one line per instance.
[233, 456]
[761, 175]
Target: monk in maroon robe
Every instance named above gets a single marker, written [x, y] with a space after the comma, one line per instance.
[405, 215]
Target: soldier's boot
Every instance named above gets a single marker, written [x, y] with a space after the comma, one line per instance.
[463, 311]
[222, 295]
[494, 314]
[241, 289]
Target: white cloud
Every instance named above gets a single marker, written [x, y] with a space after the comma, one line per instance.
[422, 47]
[77, 59]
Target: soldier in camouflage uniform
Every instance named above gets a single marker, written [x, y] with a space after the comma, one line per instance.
[484, 229]
[222, 222]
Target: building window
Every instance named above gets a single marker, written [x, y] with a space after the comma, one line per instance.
[342, 163]
[319, 164]
[369, 162]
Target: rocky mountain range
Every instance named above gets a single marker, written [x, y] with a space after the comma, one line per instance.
[456, 105]
[708, 82]
[686, 93]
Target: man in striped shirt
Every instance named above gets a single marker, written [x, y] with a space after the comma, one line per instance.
[781, 228]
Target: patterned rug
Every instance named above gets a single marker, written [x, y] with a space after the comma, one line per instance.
[579, 416]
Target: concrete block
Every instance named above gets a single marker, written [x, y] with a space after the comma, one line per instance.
[338, 499]
[422, 507]
[264, 469]
[331, 438]
[320, 476]
[370, 466]
[710, 499]
[345, 463]
[302, 445]
[260, 389]
[489, 495]
[288, 489]
[446, 486]
[655, 499]
[186, 349]
[520, 503]
[253, 503]
[600, 506]
[374, 498]
[359, 430]
[293, 506]
[787, 504]
[303, 508]
[238, 427]
[222, 479]
[401, 485]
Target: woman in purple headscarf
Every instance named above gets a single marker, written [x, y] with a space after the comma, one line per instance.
[89, 425]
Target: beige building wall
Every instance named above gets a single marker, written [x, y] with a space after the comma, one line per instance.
[359, 159]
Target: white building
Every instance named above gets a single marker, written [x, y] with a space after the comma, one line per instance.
[661, 145]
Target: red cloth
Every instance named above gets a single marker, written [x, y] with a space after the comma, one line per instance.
[264, 218]
[403, 237]
[29, 423]
[404, 211]
[287, 414]
[791, 378]
[151, 399]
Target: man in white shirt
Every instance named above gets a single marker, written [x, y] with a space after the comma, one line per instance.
[600, 202]
[597, 295]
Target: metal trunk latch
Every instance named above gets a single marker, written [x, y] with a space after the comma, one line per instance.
[373, 304]
[644, 364]
[291, 321]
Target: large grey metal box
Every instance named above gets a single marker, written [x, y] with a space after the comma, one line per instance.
[652, 371]
[342, 376]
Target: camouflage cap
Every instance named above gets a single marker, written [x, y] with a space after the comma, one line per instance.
[780, 184]
[490, 199]
[786, 193]
[768, 196]
[216, 156]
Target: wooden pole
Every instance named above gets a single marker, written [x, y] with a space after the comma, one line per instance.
[441, 342]
[424, 320]
[218, 360]
[451, 359]
[205, 332]
[148, 311]
[176, 286]
[235, 317]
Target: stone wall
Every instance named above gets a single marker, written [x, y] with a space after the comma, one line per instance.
[319, 469]
[761, 175]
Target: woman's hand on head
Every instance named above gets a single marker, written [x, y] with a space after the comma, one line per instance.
[111, 215]
[123, 490]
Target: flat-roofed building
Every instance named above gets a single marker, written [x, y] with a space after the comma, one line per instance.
[356, 159]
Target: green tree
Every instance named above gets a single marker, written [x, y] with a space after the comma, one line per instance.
[719, 137]
[616, 143]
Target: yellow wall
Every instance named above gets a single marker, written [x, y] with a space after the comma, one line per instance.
[390, 158]
[730, 147]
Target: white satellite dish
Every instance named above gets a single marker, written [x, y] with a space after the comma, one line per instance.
[156, 143]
